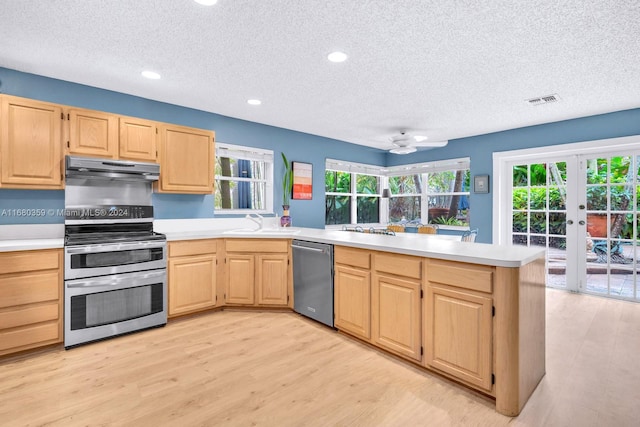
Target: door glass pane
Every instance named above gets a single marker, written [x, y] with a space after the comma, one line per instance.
[611, 244]
[539, 213]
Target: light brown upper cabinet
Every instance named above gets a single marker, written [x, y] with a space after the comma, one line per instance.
[93, 133]
[138, 139]
[30, 144]
[186, 160]
[99, 134]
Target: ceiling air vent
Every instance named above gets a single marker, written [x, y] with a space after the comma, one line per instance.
[543, 100]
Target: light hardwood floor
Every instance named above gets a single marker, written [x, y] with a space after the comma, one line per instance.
[279, 369]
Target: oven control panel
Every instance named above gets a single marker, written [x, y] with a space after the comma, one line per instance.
[109, 212]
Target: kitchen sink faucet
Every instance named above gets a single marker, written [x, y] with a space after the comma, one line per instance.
[259, 220]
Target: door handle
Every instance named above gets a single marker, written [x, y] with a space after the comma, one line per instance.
[581, 222]
[570, 221]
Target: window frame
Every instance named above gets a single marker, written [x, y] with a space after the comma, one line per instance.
[425, 169]
[384, 173]
[240, 152]
[355, 169]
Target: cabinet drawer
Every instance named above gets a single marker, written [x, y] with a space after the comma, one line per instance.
[350, 256]
[401, 265]
[28, 315]
[192, 247]
[257, 246]
[17, 262]
[468, 276]
[21, 337]
[28, 288]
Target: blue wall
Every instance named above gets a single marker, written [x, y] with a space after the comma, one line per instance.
[297, 146]
[480, 150]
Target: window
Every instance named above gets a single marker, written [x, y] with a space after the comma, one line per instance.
[244, 179]
[444, 200]
[351, 195]
[434, 192]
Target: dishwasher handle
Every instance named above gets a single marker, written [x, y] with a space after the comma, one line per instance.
[306, 248]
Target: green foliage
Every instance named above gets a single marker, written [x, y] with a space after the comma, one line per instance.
[441, 182]
[367, 184]
[337, 182]
[287, 181]
[368, 210]
[443, 220]
[407, 184]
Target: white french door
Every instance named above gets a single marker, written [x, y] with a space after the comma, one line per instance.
[580, 203]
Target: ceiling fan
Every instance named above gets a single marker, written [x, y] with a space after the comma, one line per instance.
[405, 143]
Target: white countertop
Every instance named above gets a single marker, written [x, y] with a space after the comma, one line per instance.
[438, 246]
[425, 245]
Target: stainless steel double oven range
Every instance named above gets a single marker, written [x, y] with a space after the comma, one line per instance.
[115, 264]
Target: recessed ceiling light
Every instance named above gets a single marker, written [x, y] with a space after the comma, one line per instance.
[254, 102]
[150, 75]
[337, 56]
[207, 2]
[420, 138]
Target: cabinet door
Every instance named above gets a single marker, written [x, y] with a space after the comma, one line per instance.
[272, 279]
[138, 139]
[240, 279]
[352, 301]
[30, 144]
[93, 133]
[192, 283]
[186, 160]
[458, 334]
[396, 316]
[30, 299]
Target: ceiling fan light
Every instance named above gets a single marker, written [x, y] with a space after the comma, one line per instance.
[403, 150]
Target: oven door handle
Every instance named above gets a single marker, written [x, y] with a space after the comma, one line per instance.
[115, 280]
[108, 247]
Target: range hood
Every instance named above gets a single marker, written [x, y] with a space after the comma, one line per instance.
[112, 170]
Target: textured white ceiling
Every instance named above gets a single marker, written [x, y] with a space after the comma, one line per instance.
[446, 69]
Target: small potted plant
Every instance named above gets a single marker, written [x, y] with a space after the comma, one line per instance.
[287, 185]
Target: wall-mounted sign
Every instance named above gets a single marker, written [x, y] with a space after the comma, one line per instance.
[302, 181]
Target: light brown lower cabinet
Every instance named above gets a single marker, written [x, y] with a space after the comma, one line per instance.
[352, 300]
[396, 315]
[458, 334]
[193, 276]
[258, 273]
[396, 304]
[352, 291]
[459, 321]
[30, 299]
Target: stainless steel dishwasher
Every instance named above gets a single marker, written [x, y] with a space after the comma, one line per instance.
[313, 280]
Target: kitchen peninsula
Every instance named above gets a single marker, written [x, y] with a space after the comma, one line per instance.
[474, 313]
